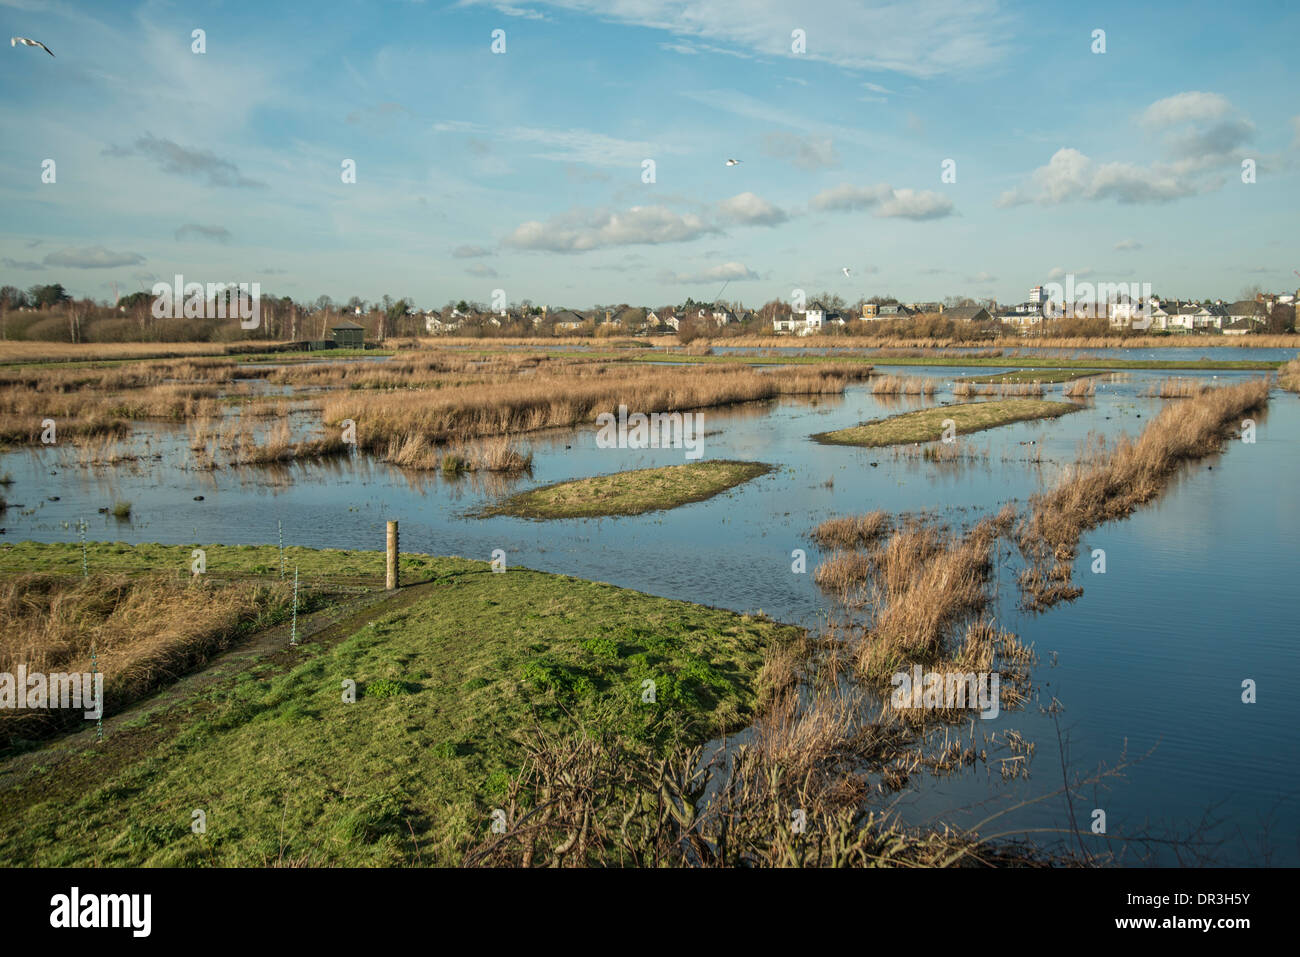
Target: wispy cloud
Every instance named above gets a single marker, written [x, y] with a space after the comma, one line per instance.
[926, 37]
[568, 146]
[172, 158]
[92, 257]
[218, 233]
[805, 152]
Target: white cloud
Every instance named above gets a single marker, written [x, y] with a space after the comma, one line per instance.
[749, 209]
[1186, 108]
[887, 201]
[581, 231]
[1127, 245]
[1070, 175]
[916, 204]
[470, 252]
[727, 272]
[1203, 137]
[849, 197]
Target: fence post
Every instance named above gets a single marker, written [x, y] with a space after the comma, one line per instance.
[391, 577]
[293, 634]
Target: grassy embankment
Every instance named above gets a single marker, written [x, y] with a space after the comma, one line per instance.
[451, 675]
[630, 493]
[1031, 375]
[926, 425]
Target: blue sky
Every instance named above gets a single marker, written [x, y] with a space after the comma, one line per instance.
[523, 171]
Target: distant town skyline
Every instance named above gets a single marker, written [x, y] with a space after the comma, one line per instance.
[938, 149]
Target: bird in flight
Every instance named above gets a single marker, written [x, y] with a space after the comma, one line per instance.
[845, 270]
[732, 162]
[14, 41]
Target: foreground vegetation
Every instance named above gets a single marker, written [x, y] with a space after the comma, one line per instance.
[630, 493]
[454, 676]
[926, 425]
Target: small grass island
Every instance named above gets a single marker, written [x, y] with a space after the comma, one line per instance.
[629, 493]
[926, 425]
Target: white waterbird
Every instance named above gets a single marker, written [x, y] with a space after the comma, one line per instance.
[14, 41]
[732, 162]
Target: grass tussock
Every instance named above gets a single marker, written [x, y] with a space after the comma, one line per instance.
[1081, 388]
[145, 631]
[499, 454]
[1109, 483]
[1288, 376]
[856, 531]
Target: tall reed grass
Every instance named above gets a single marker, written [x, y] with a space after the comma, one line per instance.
[1110, 483]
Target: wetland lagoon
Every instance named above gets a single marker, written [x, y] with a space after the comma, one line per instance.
[1125, 690]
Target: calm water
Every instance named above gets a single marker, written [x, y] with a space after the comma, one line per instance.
[1196, 596]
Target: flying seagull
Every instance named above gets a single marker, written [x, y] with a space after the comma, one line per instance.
[14, 41]
[845, 270]
[732, 162]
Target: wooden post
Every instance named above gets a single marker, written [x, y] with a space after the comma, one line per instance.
[392, 556]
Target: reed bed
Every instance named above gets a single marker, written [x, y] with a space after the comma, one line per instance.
[425, 369]
[1288, 376]
[145, 630]
[11, 351]
[1174, 387]
[903, 385]
[90, 402]
[1005, 389]
[1080, 388]
[1108, 484]
[498, 454]
[574, 397]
